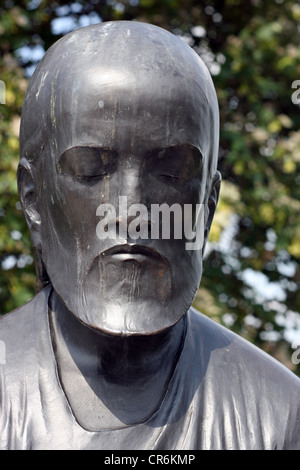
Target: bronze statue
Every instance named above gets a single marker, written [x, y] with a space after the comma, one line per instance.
[121, 118]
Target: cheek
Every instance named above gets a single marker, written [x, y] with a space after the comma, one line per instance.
[71, 209]
[160, 191]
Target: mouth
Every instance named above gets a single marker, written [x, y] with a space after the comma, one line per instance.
[138, 252]
[131, 271]
[135, 253]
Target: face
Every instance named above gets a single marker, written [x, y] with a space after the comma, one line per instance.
[127, 139]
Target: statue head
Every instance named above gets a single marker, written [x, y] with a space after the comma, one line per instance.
[119, 146]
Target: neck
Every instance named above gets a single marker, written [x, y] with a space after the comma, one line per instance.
[129, 375]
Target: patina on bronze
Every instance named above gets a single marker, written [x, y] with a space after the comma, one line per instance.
[110, 354]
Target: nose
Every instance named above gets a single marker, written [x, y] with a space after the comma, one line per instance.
[133, 216]
[131, 185]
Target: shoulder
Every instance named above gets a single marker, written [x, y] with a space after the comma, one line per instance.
[222, 342]
[23, 342]
[25, 319]
[21, 331]
[226, 349]
[243, 381]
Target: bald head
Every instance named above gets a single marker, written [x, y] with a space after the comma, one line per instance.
[101, 71]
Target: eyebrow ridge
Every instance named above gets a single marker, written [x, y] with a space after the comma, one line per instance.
[178, 146]
[156, 149]
[86, 146]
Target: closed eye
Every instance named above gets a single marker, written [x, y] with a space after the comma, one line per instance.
[87, 165]
[176, 164]
[90, 178]
[175, 177]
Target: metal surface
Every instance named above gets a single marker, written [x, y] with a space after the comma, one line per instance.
[109, 353]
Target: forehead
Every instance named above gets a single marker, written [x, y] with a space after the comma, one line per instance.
[124, 84]
[127, 110]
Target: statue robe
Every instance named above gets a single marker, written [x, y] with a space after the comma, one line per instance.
[225, 393]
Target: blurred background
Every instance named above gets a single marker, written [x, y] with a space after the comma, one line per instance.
[251, 274]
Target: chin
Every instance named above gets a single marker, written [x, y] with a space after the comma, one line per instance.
[138, 301]
[137, 317]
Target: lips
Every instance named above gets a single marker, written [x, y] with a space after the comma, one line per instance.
[138, 253]
[132, 250]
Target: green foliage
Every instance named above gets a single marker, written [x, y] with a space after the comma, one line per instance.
[251, 50]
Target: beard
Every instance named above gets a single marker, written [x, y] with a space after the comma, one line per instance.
[131, 291]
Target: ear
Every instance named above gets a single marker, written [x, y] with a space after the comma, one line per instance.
[28, 198]
[27, 193]
[212, 204]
